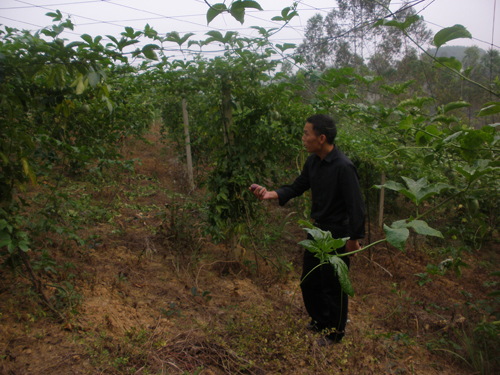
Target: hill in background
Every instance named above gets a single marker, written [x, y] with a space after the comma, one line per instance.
[456, 51]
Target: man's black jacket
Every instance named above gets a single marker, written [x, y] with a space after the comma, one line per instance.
[336, 194]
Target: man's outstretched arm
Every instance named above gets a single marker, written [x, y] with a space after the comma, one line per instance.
[261, 192]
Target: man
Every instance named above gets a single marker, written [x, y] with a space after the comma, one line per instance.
[338, 207]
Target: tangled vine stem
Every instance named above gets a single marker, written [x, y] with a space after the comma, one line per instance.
[38, 285]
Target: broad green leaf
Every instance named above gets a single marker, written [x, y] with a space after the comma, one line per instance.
[452, 137]
[422, 228]
[216, 35]
[421, 189]
[214, 11]
[74, 44]
[450, 33]
[476, 170]
[5, 242]
[318, 234]
[396, 236]
[56, 16]
[406, 123]
[23, 245]
[28, 171]
[175, 37]
[342, 273]
[306, 224]
[431, 129]
[446, 119]
[114, 40]
[94, 78]
[286, 15]
[285, 46]
[238, 14]
[392, 185]
[149, 52]
[336, 243]
[421, 138]
[450, 62]
[428, 159]
[400, 25]
[399, 224]
[246, 4]
[455, 105]
[310, 245]
[87, 38]
[490, 108]
[4, 158]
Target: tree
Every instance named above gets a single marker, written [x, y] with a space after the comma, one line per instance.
[346, 33]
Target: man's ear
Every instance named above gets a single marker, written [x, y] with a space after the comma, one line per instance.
[322, 138]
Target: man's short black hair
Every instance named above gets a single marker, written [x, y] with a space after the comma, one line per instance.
[324, 124]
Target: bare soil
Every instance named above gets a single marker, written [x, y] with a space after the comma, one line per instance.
[152, 295]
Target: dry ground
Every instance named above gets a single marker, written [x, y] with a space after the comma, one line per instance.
[153, 296]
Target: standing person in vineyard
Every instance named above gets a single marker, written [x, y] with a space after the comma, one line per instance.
[338, 207]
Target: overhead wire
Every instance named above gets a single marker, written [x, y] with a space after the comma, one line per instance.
[180, 18]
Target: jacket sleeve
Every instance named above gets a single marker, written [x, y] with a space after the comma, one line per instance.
[298, 187]
[353, 197]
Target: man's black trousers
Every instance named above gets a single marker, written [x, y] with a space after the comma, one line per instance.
[324, 300]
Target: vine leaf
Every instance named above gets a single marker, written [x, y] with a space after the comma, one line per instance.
[238, 9]
[455, 105]
[450, 62]
[28, 171]
[416, 191]
[286, 14]
[400, 25]
[490, 108]
[450, 33]
[285, 46]
[149, 52]
[174, 36]
[322, 243]
[421, 227]
[343, 274]
[214, 11]
[396, 236]
[477, 170]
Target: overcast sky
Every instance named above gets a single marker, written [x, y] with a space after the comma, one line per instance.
[109, 17]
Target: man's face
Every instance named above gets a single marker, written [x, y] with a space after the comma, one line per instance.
[310, 140]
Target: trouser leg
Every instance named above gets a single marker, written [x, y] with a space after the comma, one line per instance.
[337, 302]
[325, 302]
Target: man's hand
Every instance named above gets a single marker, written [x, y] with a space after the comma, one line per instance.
[352, 245]
[261, 192]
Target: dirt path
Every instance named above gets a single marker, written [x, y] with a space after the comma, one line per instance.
[153, 296]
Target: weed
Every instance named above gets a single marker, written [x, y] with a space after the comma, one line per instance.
[172, 310]
[424, 278]
[205, 295]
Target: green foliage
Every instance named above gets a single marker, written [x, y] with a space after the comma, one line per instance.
[322, 245]
[450, 33]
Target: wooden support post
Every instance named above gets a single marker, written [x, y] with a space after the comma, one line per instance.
[188, 144]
